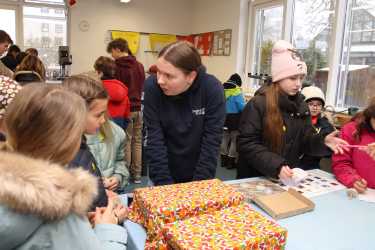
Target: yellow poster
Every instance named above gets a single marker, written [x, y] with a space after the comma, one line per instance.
[158, 41]
[133, 39]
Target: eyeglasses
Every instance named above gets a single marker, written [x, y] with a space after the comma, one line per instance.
[314, 105]
[296, 55]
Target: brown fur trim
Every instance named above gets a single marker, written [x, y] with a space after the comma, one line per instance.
[46, 190]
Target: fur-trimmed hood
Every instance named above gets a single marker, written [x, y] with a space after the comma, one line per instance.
[46, 190]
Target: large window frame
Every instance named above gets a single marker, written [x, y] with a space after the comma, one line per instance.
[18, 5]
[337, 71]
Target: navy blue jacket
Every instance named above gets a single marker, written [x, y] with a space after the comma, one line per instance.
[86, 160]
[183, 133]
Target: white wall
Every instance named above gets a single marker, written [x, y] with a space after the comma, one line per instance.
[154, 16]
[213, 15]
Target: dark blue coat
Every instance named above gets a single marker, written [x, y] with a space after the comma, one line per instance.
[86, 160]
[183, 133]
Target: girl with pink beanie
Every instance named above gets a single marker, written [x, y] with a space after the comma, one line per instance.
[355, 168]
[275, 126]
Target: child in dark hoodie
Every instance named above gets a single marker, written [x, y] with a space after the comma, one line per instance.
[132, 74]
[235, 103]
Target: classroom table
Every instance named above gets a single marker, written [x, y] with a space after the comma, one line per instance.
[336, 223]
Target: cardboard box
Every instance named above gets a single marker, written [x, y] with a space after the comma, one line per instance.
[285, 204]
[237, 227]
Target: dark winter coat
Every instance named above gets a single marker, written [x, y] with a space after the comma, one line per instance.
[322, 127]
[183, 133]
[86, 160]
[255, 156]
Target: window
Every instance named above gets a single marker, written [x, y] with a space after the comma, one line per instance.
[312, 28]
[268, 23]
[45, 31]
[59, 28]
[59, 2]
[45, 27]
[59, 41]
[8, 22]
[357, 67]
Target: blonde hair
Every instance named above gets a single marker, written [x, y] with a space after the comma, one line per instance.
[45, 122]
[90, 90]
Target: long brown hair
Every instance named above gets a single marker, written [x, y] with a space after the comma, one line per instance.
[273, 121]
[45, 122]
[32, 63]
[90, 90]
[363, 119]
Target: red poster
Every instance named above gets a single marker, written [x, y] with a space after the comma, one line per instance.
[188, 38]
[203, 42]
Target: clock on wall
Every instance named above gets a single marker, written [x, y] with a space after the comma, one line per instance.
[84, 25]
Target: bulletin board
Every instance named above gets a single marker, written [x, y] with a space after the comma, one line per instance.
[222, 43]
[217, 43]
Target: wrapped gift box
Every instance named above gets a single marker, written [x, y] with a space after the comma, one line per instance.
[154, 207]
[237, 227]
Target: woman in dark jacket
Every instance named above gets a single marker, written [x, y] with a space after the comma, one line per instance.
[184, 111]
[275, 127]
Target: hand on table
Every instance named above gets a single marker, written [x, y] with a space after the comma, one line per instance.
[360, 185]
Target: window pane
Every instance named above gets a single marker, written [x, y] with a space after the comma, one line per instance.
[8, 22]
[358, 56]
[45, 29]
[312, 27]
[59, 2]
[268, 30]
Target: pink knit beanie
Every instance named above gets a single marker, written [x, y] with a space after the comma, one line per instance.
[286, 61]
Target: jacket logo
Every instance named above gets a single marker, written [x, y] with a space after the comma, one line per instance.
[201, 111]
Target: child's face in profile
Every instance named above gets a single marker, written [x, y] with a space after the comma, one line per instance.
[315, 107]
[96, 116]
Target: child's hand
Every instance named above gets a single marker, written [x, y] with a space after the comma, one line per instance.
[111, 183]
[370, 149]
[107, 215]
[285, 172]
[336, 144]
[121, 212]
[360, 185]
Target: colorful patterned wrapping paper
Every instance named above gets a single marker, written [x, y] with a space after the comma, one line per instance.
[235, 228]
[155, 206]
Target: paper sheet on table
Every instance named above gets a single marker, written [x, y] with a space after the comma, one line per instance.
[368, 196]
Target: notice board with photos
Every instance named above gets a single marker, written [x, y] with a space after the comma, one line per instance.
[222, 41]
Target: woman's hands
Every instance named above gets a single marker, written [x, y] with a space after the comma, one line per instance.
[337, 145]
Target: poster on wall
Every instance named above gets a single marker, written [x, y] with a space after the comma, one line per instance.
[189, 38]
[132, 38]
[203, 43]
[222, 41]
[158, 41]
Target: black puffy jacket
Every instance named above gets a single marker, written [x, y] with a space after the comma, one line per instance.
[323, 127]
[255, 156]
